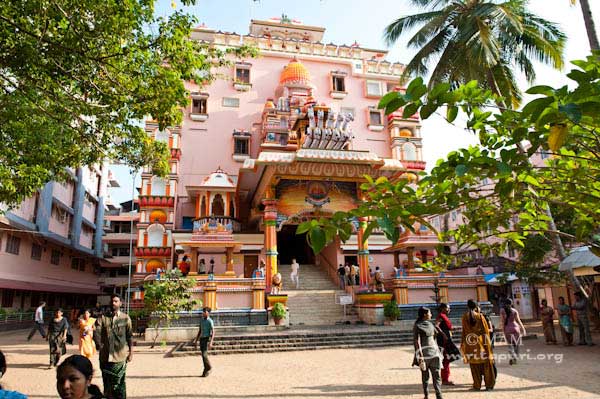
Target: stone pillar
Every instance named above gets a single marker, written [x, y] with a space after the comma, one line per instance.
[363, 253]
[229, 262]
[258, 294]
[482, 295]
[270, 219]
[400, 291]
[210, 295]
[194, 265]
[443, 294]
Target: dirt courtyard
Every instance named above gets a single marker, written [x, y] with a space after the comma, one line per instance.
[549, 371]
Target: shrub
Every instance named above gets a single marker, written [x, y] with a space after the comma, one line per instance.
[278, 311]
[391, 311]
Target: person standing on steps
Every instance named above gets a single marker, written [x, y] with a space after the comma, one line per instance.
[39, 322]
[342, 276]
[294, 275]
[116, 350]
[206, 335]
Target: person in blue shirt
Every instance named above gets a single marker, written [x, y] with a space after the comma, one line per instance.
[3, 393]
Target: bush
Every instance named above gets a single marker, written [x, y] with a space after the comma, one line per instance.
[278, 311]
[391, 311]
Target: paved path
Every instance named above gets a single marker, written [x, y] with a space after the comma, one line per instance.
[355, 373]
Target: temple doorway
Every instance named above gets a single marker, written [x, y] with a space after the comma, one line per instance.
[291, 245]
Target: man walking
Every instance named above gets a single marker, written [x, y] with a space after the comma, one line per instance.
[116, 349]
[206, 335]
[583, 322]
[294, 274]
[39, 322]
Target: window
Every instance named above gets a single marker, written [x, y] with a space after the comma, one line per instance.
[78, 264]
[13, 244]
[199, 106]
[390, 86]
[409, 152]
[375, 117]
[338, 83]
[120, 251]
[242, 74]
[7, 298]
[240, 146]
[60, 214]
[36, 252]
[373, 88]
[453, 216]
[231, 102]
[55, 257]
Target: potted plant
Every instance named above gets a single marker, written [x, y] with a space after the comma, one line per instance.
[278, 312]
[391, 312]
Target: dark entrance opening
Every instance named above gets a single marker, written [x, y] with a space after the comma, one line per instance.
[291, 245]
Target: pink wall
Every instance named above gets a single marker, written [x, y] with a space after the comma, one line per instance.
[86, 238]
[89, 210]
[63, 192]
[234, 300]
[420, 295]
[58, 227]
[462, 294]
[27, 209]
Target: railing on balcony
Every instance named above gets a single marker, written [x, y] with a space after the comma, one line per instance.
[226, 221]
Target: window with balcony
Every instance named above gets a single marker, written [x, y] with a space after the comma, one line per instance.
[13, 244]
[199, 106]
[374, 88]
[375, 119]
[338, 83]
[36, 251]
[55, 257]
[199, 111]
[241, 145]
[242, 77]
[390, 86]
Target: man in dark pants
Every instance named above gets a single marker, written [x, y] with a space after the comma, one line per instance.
[39, 322]
[206, 335]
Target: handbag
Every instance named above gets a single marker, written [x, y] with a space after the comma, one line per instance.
[69, 338]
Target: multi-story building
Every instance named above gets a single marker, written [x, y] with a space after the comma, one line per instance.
[51, 244]
[285, 137]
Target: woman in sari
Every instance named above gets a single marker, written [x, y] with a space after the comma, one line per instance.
[477, 348]
[564, 319]
[548, 322]
[513, 329]
[57, 337]
[87, 347]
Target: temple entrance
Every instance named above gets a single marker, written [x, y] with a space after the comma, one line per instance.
[291, 245]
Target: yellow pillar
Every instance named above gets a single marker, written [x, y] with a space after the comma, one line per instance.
[194, 267]
[258, 294]
[400, 291]
[363, 253]
[210, 295]
[229, 262]
[270, 220]
[443, 294]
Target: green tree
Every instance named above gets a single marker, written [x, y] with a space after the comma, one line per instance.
[482, 40]
[561, 121]
[165, 298]
[590, 27]
[76, 79]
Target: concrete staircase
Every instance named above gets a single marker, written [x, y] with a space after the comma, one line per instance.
[313, 303]
[310, 339]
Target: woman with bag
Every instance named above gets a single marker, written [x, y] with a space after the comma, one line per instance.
[427, 354]
[449, 349]
[57, 337]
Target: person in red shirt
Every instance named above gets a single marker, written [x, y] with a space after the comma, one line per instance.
[449, 349]
[184, 265]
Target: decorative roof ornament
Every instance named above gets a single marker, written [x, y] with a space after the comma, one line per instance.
[295, 74]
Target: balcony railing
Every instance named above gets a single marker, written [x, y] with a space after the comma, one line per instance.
[226, 221]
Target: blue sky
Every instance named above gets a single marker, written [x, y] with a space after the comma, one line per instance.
[364, 21]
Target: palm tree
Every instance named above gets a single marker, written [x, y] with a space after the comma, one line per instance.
[482, 40]
[589, 23]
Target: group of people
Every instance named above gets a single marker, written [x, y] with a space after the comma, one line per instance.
[565, 321]
[348, 275]
[108, 333]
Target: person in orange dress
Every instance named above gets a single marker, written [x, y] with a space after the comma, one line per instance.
[87, 347]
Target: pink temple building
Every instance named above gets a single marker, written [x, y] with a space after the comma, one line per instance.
[284, 137]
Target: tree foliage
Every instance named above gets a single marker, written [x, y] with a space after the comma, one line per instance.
[478, 40]
[165, 298]
[76, 79]
[563, 122]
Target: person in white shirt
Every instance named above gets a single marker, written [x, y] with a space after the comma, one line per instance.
[294, 276]
[39, 322]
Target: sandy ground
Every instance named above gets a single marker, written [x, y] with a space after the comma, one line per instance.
[572, 372]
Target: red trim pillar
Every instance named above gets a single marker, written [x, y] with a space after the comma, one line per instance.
[363, 253]
[270, 220]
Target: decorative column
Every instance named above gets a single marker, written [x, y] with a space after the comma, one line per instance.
[258, 294]
[363, 253]
[443, 294]
[482, 295]
[229, 262]
[396, 259]
[194, 265]
[400, 291]
[270, 219]
[410, 252]
[210, 295]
